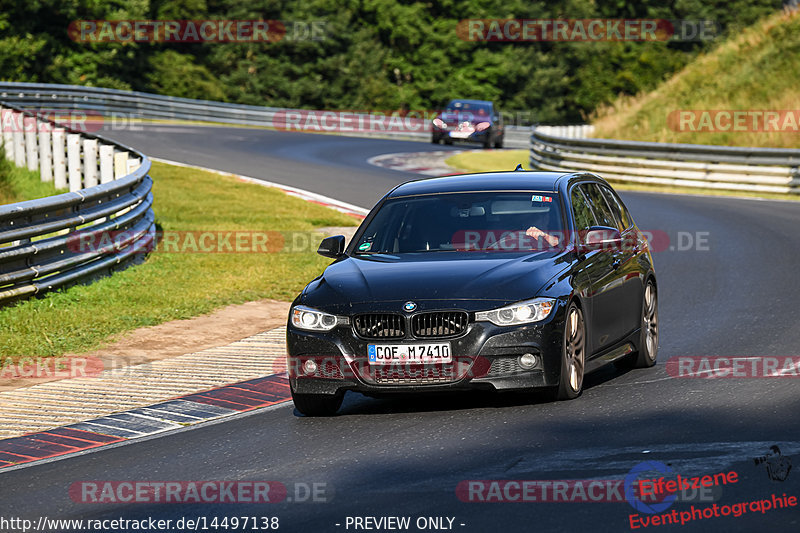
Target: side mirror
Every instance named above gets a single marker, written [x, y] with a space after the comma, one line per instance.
[332, 247]
[602, 237]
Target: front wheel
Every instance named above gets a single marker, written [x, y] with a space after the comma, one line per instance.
[573, 355]
[317, 404]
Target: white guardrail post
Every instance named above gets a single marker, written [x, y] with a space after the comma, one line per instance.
[19, 139]
[106, 163]
[120, 164]
[74, 162]
[90, 162]
[6, 120]
[45, 151]
[31, 148]
[59, 159]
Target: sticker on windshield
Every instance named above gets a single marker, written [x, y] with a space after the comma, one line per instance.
[363, 247]
[537, 198]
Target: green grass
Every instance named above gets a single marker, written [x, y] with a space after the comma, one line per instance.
[492, 161]
[170, 286]
[20, 184]
[489, 161]
[755, 70]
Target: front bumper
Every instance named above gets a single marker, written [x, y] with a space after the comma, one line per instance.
[454, 135]
[484, 357]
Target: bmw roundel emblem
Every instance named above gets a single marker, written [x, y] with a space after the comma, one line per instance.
[409, 306]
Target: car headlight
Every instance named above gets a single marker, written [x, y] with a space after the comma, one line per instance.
[439, 123]
[310, 319]
[482, 126]
[518, 313]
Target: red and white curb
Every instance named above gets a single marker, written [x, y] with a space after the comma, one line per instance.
[426, 163]
[144, 421]
[338, 205]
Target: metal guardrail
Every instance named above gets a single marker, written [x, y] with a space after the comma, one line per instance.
[688, 165]
[104, 223]
[106, 102]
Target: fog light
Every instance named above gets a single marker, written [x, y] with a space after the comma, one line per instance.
[527, 361]
[309, 367]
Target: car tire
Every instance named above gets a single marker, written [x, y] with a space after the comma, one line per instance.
[448, 141]
[317, 404]
[498, 143]
[573, 355]
[487, 142]
[648, 343]
[647, 354]
[435, 139]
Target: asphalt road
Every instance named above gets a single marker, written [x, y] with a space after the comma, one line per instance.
[332, 165]
[733, 295]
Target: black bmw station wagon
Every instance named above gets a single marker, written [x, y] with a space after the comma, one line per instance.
[504, 281]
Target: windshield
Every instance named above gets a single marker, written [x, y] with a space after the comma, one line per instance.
[472, 107]
[484, 221]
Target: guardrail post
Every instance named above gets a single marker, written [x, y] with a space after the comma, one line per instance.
[90, 162]
[120, 165]
[6, 121]
[31, 150]
[133, 164]
[106, 163]
[59, 159]
[19, 139]
[74, 161]
[45, 152]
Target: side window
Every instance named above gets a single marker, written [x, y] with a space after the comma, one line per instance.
[617, 207]
[598, 204]
[581, 212]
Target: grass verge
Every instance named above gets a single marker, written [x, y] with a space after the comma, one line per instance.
[169, 286]
[753, 71]
[491, 161]
[20, 184]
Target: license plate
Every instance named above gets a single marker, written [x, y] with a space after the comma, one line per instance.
[460, 134]
[387, 354]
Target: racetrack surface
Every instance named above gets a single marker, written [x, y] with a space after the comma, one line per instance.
[405, 456]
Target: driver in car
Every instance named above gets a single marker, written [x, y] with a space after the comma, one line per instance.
[541, 236]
